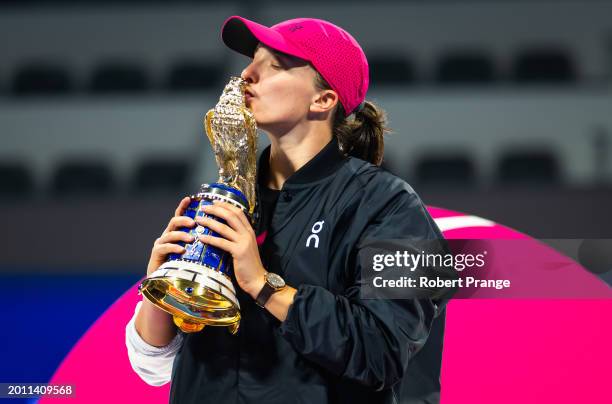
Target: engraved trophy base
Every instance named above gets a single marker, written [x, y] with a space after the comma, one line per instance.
[194, 294]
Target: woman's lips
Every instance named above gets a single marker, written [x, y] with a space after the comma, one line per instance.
[248, 96]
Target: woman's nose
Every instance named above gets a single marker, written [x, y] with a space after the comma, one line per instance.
[248, 74]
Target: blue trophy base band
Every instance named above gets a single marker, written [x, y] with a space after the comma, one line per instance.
[198, 252]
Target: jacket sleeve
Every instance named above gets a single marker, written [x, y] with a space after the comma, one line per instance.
[369, 341]
[152, 364]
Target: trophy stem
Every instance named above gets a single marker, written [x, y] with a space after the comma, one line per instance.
[187, 326]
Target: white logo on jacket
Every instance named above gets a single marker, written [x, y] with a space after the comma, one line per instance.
[316, 228]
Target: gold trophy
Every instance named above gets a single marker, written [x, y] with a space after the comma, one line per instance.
[196, 287]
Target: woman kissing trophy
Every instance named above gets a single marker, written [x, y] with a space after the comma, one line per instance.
[195, 287]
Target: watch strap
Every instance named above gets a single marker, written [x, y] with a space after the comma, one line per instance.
[264, 294]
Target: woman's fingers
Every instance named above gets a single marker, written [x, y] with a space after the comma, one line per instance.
[229, 213]
[237, 211]
[222, 229]
[229, 233]
[167, 242]
[218, 242]
[178, 222]
[175, 237]
[162, 250]
[182, 206]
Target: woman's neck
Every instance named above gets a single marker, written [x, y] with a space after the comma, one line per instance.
[289, 153]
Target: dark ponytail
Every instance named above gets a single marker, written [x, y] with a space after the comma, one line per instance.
[360, 134]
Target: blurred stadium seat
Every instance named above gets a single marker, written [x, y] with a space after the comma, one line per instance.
[390, 70]
[81, 177]
[544, 66]
[115, 77]
[15, 180]
[159, 175]
[528, 168]
[468, 67]
[449, 171]
[41, 79]
[187, 76]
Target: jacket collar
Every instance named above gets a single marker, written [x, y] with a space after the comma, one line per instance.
[323, 164]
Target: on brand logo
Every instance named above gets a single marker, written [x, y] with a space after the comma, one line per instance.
[295, 27]
[316, 228]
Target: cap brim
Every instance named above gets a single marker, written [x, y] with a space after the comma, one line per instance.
[244, 35]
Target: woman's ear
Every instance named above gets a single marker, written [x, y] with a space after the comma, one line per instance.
[324, 101]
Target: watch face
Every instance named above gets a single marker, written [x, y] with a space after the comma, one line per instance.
[275, 281]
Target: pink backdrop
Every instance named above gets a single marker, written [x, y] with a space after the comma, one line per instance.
[495, 351]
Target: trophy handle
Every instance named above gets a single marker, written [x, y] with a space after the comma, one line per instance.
[208, 128]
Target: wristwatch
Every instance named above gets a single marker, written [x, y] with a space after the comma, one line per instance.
[273, 284]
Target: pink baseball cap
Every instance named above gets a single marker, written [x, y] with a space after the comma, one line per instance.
[333, 52]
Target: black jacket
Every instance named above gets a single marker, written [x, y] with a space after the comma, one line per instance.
[333, 347]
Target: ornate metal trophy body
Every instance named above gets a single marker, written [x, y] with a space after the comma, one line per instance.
[195, 287]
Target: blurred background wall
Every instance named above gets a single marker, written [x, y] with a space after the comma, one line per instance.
[499, 108]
